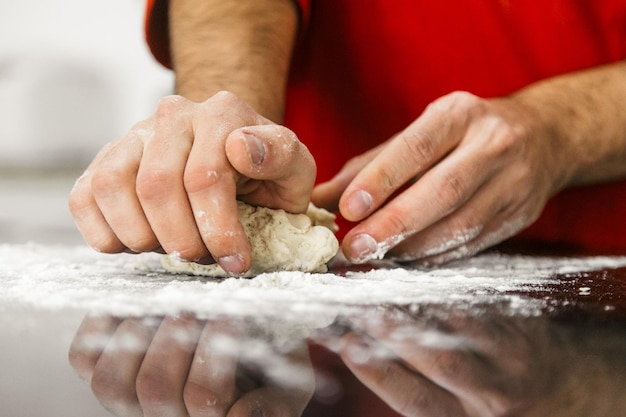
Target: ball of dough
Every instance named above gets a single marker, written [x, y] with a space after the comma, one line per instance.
[279, 241]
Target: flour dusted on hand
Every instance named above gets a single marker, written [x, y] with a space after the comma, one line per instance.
[279, 241]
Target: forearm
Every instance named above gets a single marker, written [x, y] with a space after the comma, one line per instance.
[241, 46]
[583, 115]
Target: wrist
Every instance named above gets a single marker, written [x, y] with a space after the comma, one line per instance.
[580, 117]
[537, 123]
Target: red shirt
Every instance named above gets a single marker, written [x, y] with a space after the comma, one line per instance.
[363, 70]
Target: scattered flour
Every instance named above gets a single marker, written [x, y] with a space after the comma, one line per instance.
[64, 277]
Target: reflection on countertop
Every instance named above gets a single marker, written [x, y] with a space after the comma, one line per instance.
[419, 359]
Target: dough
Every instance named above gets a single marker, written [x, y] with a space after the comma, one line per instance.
[279, 241]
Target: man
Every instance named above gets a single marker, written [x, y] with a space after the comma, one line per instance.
[457, 123]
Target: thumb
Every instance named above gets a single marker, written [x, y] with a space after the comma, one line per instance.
[273, 154]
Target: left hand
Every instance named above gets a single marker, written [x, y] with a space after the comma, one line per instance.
[467, 174]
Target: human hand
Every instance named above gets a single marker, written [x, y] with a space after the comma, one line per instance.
[467, 174]
[181, 366]
[483, 366]
[172, 182]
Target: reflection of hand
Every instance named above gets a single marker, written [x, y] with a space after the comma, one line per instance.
[471, 367]
[189, 162]
[476, 175]
[186, 367]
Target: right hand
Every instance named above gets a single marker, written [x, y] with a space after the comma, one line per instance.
[172, 182]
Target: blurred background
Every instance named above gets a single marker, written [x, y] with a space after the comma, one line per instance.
[74, 75]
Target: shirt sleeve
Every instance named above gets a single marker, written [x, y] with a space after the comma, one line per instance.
[156, 30]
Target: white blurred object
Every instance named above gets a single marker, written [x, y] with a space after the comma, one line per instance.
[74, 74]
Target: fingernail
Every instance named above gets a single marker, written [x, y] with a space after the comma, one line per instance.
[359, 204]
[254, 148]
[363, 248]
[232, 264]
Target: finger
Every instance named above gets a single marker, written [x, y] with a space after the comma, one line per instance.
[114, 188]
[211, 183]
[89, 219]
[273, 155]
[496, 213]
[160, 180]
[404, 390]
[431, 136]
[466, 224]
[91, 338]
[161, 378]
[116, 371]
[500, 229]
[211, 385]
[438, 193]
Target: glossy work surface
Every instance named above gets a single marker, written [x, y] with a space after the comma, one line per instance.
[487, 336]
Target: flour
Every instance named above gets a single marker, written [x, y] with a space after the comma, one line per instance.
[67, 277]
[279, 241]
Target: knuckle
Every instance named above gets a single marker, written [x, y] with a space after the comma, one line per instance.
[80, 361]
[200, 178]
[457, 102]
[420, 145]
[154, 387]
[397, 221]
[107, 181]
[77, 202]
[506, 141]
[232, 110]
[388, 179]
[153, 184]
[169, 105]
[107, 385]
[450, 192]
[464, 98]
[224, 96]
